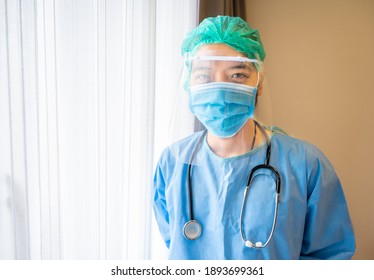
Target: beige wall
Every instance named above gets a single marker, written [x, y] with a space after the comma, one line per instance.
[320, 70]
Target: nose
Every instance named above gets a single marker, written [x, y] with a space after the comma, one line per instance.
[219, 77]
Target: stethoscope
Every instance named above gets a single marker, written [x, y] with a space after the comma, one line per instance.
[193, 229]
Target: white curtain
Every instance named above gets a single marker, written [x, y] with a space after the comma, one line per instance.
[83, 107]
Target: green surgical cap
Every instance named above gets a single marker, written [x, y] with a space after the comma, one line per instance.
[232, 31]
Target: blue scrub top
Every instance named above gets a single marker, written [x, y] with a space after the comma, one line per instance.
[313, 220]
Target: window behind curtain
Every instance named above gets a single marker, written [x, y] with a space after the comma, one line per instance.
[77, 126]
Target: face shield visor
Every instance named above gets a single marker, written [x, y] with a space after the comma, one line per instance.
[214, 64]
[223, 88]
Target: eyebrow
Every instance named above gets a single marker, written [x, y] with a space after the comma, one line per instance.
[241, 66]
[200, 68]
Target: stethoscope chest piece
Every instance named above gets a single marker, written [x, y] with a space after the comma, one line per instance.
[192, 230]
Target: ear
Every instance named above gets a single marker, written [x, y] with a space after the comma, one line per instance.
[259, 88]
[260, 84]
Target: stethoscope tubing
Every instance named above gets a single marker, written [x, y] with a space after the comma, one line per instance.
[189, 184]
[266, 165]
[249, 181]
[192, 222]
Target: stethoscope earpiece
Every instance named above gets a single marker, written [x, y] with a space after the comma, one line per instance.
[249, 244]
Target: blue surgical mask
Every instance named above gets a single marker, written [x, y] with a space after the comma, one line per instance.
[223, 108]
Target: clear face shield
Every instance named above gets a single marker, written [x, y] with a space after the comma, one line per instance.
[209, 75]
[231, 69]
[222, 89]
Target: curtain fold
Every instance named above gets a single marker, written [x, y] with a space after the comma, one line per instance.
[77, 146]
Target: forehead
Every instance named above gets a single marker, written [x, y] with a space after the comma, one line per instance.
[217, 50]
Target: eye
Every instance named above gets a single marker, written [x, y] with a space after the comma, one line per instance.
[239, 77]
[201, 78]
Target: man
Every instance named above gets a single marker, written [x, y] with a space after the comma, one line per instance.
[240, 190]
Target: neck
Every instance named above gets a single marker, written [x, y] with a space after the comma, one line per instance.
[239, 144]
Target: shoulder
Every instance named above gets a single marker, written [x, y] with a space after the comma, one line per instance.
[300, 154]
[303, 158]
[295, 147]
[180, 150]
